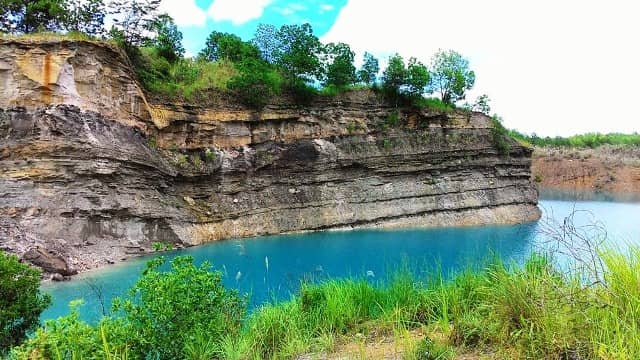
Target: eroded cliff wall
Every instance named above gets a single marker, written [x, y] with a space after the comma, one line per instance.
[91, 173]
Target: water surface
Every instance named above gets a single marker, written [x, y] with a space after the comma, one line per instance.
[272, 267]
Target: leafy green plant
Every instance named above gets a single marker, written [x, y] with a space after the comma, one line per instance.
[210, 155]
[256, 83]
[392, 119]
[21, 301]
[166, 310]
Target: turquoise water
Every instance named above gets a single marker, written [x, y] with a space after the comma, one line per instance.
[272, 267]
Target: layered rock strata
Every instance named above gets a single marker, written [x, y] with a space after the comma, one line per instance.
[93, 181]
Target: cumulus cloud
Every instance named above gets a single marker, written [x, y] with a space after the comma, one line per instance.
[238, 12]
[184, 12]
[551, 67]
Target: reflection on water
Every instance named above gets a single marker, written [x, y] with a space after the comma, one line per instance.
[273, 267]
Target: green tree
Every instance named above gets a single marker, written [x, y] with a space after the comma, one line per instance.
[394, 77]
[256, 83]
[18, 16]
[133, 21]
[168, 39]
[166, 310]
[86, 16]
[482, 104]
[228, 46]
[266, 40]
[417, 78]
[451, 76]
[368, 73]
[340, 70]
[294, 48]
[21, 301]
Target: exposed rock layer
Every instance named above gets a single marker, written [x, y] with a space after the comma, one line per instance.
[96, 187]
[610, 169]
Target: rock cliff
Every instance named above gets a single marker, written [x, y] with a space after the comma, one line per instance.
[91, 172]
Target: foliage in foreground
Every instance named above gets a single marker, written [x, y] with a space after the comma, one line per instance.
[21, 302]
[531, 311]
[184, 312]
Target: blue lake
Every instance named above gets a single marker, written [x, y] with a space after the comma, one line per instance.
[272, 267]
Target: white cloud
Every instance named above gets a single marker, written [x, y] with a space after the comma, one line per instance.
[184, 12]
[326, 7]
[291, 9]
[551, 67]
[238, 12]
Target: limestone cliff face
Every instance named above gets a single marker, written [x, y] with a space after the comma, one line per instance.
[95, 77]
[92, 180]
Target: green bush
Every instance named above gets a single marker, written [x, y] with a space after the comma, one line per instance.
[165, 310]
[181, 313]
[70, 338]
[256, 83]
[21, 301]
[433, 104]
[302, 93]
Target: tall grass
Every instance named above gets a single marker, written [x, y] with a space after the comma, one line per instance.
[185, 78]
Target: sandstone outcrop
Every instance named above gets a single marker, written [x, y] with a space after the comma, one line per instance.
[97, 181]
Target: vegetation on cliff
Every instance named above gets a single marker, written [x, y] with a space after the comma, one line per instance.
[290, 59]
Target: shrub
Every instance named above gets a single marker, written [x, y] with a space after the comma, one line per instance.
[302, 93]
[68, 337]
[500, 136]
[256, 83]
[21, 301]
[165, 310]
[434, 104]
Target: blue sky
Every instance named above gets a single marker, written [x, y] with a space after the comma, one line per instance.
[242, 17]
[550, 67]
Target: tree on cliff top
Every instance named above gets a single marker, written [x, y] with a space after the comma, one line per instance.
[85, 16]
[294, 48]
[19, 16]
[168, 39]
[368, 73]
[21, 302]
[340, 70]
[451, 76]
[133, 20]
[221, 45]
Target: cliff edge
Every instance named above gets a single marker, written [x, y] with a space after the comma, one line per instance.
[92, 173]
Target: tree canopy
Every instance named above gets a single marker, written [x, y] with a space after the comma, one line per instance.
[221, 45]
[340, 70]
[29, 16]
[168, 39]
[368, 73]
[451, 76]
